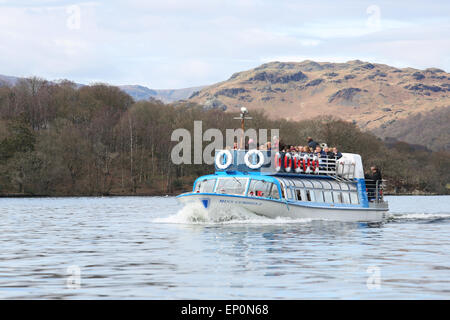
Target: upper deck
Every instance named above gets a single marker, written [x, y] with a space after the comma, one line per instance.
[348, 167]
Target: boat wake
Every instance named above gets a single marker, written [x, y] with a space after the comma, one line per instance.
[196, 214]
[423, 217]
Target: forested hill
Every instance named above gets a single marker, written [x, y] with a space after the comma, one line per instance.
[61, 139]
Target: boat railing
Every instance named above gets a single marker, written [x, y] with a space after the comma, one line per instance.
[296, 163]
[375, 190]
[345, 170]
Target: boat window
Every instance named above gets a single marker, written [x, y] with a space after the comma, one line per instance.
[326, 184]
[261, 188]
[352, 186]
[231, 185]
[335, 185]
[328, 197]
[289, 193]
[274, 194]
[344, 186]
[205, 186]
[319, 195]
[282, 190]
[337, 196]
[303, 193]
[346, 197]
[354, 198]
[308, 183]
[317, 184]
[298, 194]
[309, 195]
[299, 183]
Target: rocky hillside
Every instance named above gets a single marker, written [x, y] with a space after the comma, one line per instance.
[375, 96]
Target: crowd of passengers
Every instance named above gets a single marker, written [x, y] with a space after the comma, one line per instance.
[312, 148]
[373, 179]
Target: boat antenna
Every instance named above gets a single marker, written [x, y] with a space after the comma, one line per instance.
[243, 117]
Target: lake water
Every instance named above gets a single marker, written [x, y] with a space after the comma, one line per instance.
[149, 248]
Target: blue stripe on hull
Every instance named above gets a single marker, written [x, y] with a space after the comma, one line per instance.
[338, 206]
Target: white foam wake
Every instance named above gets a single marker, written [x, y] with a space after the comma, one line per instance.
[197, 214]
[421, 216]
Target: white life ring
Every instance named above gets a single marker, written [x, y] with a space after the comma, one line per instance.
[260, 159]
[297, 163]
[287, 157]
[315, 164]
[277, 161]
[307, 160]
[229, 159]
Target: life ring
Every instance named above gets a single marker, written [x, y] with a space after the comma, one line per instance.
[277, 161]
[297, 163]
[228, 159]
[306, 164]
[260, 159]
[288, 157]
[315, 164]
[303, 163]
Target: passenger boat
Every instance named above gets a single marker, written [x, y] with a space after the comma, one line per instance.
[277, 184]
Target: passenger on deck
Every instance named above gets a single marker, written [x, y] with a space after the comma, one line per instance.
[327, 160]
[311, 143]
[328, 152]
[376, 174]
[373, 183]
[319, 152]
[235, 146]
[336, 153]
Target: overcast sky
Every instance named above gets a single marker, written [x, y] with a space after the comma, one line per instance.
[176, 44]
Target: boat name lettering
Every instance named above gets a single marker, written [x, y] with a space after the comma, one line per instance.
[240, 202]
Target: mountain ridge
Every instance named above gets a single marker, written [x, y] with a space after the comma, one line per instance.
[404, 104]
[137, 92]
[374, 96]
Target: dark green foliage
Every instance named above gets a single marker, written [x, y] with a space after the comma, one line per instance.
[19, 138]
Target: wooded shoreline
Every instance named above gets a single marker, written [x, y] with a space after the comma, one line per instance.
[60, 140]
[4, 196]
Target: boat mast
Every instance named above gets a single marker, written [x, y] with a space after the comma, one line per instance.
[243, 117]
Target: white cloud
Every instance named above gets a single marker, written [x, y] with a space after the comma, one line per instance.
[187, 43]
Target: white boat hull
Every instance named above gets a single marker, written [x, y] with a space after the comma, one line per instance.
[273, 209]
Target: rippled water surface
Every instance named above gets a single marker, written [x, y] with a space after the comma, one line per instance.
[150, 248]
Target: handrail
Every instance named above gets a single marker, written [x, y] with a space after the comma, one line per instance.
[327, 165]
[375, 190]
